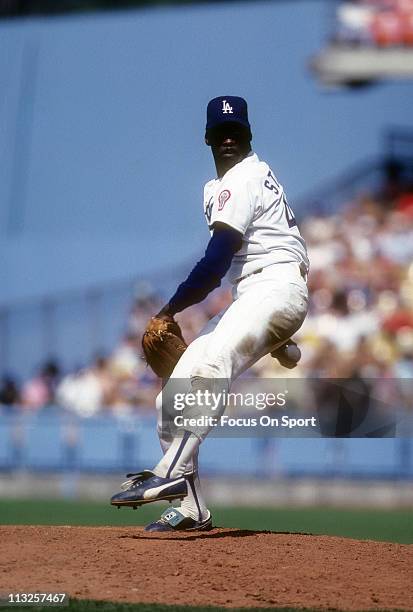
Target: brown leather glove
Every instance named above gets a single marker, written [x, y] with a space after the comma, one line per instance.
[163, 345]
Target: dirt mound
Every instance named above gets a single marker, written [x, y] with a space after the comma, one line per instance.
[224, 567]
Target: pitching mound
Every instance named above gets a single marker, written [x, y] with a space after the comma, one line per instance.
[224, 567]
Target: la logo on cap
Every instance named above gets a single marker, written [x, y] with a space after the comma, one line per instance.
[226, 108]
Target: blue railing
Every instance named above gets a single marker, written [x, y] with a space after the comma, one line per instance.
[57, 441]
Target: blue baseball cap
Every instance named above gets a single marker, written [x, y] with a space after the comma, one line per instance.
[227, 109]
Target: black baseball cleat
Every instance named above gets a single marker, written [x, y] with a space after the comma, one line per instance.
[288, 354]
[145, 487]
[173, 520]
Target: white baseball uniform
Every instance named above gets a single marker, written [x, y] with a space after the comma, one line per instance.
[251, 200]
[270, 295]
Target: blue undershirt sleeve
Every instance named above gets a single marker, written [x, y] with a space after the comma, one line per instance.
[209, 271]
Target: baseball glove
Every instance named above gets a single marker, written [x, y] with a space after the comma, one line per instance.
[163, 345]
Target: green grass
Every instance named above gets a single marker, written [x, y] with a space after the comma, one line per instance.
[384, 525]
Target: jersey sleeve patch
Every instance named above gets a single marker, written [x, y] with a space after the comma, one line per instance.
[223, 198]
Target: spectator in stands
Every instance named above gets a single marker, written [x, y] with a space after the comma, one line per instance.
[395, 239]
[88, 391]
[9, 392]
[384, 23]
[40, 390]
[125, 361]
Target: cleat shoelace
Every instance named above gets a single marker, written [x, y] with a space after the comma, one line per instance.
[134, 479]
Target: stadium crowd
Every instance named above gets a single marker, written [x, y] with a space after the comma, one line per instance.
[379, 23]
[359, 325]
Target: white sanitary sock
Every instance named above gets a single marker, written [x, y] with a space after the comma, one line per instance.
[180, 452]
[193, 504]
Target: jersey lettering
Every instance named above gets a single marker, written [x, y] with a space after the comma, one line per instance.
[272, 184]
[289, 213]
[208, 209]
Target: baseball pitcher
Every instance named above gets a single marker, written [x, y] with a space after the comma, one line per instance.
[255, 241]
